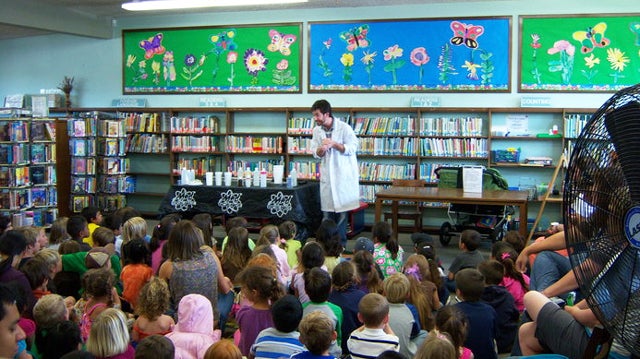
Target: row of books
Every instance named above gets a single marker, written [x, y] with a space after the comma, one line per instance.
[83, 166]
[300, 125]
[44, 196]
[82, 127]
[250, 144]
[146, 122]
[203, 124]
[388, 146]
[112, 146]
[14, 130]
[299, 145]
[111, 128]
[103, 184]
[371, 171]
[82, 146]
[43, 175]
[15, 176]
[35, 217]
[199, 165]
[147, 143]
[43, 130]
[453, 147]
[393, 126]
[459, 126]
[574, 123]
[107, 202]
[105, 165]
[15, 199]
[368, 194]
[43, 152]
[15, 154]
[306, 169]
[194, 144]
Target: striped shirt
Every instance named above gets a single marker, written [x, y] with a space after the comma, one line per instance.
[369, 343]
[272, 344]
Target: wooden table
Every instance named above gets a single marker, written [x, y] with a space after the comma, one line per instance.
[453, 195]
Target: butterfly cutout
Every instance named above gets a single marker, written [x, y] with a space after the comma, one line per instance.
[465, 34]
[152, 46]
[592, 38]
[356, 37]
[281, 42]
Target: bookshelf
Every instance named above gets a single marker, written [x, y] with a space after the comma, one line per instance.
[396, 143]
[99, 166]
[28, 190]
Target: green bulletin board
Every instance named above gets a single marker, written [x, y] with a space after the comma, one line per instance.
[231, 59]
[579, 53]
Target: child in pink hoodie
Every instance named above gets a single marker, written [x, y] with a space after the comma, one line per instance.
[194, 333]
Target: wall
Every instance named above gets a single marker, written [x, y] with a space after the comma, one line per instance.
[29, 64]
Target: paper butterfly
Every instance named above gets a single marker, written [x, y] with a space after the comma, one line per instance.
[356, 37]
[281, 42]
[592, 38]
[465, 34]
[635, 29]
[152, 46]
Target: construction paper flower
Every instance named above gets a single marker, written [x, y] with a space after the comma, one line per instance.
[254, 62]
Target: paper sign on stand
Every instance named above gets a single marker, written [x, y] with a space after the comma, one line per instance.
[472, 179]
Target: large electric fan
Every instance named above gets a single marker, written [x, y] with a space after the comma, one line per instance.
[602, 214]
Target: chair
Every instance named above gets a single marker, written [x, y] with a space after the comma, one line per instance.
[410, 211]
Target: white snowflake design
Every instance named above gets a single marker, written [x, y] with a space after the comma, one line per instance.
[183, 200]
[230, 202]
[280, 204]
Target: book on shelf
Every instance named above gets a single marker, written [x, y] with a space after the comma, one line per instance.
[51, 130]
[79, 166]
[39, 196]
[38, 153]
[38, 132]
[78, 147]
[113, 129]
[80, 202]
[38, 175]
[79, 128]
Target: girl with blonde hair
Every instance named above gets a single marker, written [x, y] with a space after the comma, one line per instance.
[109, 336]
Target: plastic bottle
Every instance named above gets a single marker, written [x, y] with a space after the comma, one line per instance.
[256, 177]
[263, 178]
[294, 177]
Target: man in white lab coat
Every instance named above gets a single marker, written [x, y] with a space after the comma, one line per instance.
[335, 144]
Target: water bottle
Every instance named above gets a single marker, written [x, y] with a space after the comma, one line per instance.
[294, 177]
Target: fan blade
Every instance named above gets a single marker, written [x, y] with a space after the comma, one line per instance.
[623, 125]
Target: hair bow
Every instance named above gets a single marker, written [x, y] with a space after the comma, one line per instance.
[505, 255]
[414, 271]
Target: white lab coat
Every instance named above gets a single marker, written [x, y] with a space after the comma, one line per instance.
[339, 172]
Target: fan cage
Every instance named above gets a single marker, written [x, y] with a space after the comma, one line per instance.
[602, 186]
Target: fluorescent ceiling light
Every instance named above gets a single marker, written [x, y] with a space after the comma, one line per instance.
[190, 4]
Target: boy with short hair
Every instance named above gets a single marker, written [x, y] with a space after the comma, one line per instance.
[403, 317]
[317, 284]
[469, 258]
[93, 215]
[317, 335]
[78, 229]
[281, 340]
[502, 301]
[481, 316]
[375, 336]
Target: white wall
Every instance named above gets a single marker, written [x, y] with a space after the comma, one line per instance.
[30, 64]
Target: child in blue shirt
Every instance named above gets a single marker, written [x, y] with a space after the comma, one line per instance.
[481, 316]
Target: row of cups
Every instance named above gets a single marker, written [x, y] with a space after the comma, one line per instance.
[217, 177]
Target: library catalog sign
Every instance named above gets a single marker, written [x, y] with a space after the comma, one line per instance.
[230, 59]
